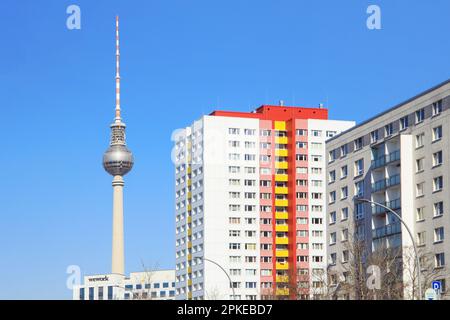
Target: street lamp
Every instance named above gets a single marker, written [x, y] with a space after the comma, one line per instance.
[419, 281]
[226, 273]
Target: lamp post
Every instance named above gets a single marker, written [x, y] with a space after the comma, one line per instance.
[226, 273]
[419, 280]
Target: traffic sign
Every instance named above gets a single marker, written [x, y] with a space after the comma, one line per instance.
[436, 285]
[431, 294]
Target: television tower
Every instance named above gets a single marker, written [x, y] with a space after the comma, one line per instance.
[118, 161]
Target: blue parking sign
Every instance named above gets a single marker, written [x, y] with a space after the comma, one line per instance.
[436, 285]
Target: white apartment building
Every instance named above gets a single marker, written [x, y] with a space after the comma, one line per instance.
[249, 203]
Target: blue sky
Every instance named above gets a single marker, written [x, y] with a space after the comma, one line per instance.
[180, 59]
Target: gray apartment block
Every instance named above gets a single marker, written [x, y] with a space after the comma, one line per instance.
[401, 159]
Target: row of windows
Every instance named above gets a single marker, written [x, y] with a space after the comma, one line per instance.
[268, 133]
[403, 124]
[358, 170]
[438, 236]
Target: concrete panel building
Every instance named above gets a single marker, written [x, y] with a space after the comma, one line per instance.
[249, 203]
[400, 159]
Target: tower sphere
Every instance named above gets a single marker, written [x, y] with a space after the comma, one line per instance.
[118, 160]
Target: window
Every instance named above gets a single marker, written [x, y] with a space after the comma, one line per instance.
[301, 170]
[421, 238]
[331, 134]
[316, 158]
[332, 238]
[234, 246]
[438, 209]
[344, 172]
[359, 167]
[332, 176]
[344, 235]
[419, 165]
[344, 193]
[250, 144]
[265, 133]
[420, 115]
[234, 169]
[301, 132]
[316, 133]
[233, 144]
[359, 212]
[437, 108]
[439, 260]
[233, 131]
[439, 234]
[404, 123]
[301, 157]
[249, 132]
[332, 156]
[344, 214]
[345, 256]
[358, 143]
[359, 188]
[437, 158]
[420, 140]
[420, 189]
[332, 197]
[437, 133]
[344, 150]
[333, 258]
[332, 217]
[301, 145]
[374, 136]
[420, 214]
[389, 129]
[249, 157]
[438, 184]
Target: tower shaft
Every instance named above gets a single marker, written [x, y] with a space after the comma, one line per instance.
[118, 256]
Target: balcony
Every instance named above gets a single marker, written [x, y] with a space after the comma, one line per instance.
[281, 152]
[281, 140]
[281, 228]
[281, 190]
[394, 205]
[189, 270]
[386, 159]
[386, 183]
[189, 256]
[280, 125]
[189, 245]
[189, 233]
[281, 215]
[281, 202]
[282, 279]
[387, 230]
[282, 253]
[282, 291]
[189, 282]
[282, 266]
[281, 240]
[281, 177]
[281, 165]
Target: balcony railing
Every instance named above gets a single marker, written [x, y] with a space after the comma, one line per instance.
[386, 183]
[386, 159]
[387, 230]
[394, 205]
